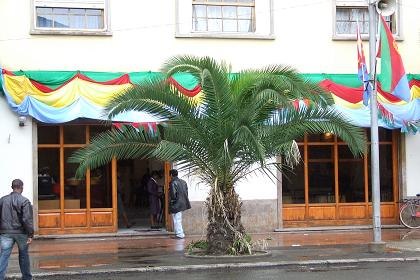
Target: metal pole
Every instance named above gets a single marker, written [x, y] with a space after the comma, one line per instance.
[376, 194]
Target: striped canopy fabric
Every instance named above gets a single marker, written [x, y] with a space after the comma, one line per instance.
[63, 96]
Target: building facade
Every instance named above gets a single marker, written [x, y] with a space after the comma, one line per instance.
[78, 49]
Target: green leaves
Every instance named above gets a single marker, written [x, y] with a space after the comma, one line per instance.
[244, 119]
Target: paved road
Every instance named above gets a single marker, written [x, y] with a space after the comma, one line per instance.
[371, 271]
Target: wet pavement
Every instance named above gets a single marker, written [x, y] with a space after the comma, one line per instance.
[150, 251]
[371, 271]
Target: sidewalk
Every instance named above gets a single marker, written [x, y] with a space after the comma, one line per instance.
[160, 253]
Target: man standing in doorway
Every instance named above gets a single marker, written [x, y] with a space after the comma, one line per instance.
[178, 194]
[16, 227]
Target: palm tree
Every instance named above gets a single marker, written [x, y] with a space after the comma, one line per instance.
[243, 121]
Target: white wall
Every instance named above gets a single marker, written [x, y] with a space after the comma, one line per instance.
[15, 151]
[144, 36]
[256, 186]
[412, 163]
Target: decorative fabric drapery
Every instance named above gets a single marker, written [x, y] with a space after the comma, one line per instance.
[62, 96]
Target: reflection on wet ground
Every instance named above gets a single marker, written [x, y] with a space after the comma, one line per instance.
[68, 254]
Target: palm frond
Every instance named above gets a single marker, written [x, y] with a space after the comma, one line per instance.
[291, 124]
[126, 143]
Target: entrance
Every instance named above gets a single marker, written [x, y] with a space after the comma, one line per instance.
[137, 200]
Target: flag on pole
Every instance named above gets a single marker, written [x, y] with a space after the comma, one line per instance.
[362, 68]
[392, 77]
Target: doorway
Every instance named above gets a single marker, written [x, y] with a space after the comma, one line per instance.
[137, 201]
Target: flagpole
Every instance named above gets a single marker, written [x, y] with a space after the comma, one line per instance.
[376, 244]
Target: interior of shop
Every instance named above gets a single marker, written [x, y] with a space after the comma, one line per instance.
[138, 200]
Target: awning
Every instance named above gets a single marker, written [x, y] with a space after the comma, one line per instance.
[62, 96]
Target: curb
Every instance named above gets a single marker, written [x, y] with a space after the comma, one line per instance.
[214, 266]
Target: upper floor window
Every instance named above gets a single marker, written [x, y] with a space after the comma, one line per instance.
[349, 13]
[223, 15]
[70, 17]
[248, 19]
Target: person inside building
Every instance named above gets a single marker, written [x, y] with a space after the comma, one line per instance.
[45, 182]
[16, 226]
[179, 202]
[154, 199]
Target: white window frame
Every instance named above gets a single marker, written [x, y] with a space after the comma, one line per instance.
[82, 4]
[360, 4]
[263, 24]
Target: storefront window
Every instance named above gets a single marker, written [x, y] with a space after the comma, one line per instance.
[351, 185]
[385, 173]
[48, 135]
[351, 177]
[50, 151]
[321, 182]
[49, 178]
[75, 134]
[321, 173]
[74, 189]
[293, 183]
[101, 187]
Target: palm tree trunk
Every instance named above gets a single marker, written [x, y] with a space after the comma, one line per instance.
[224, 216]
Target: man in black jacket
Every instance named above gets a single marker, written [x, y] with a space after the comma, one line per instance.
[16, 226]
[178, 193]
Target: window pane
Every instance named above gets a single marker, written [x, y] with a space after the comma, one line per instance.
[342, 14]
[44, 11]
[356, 14]
[101, 187]
[365, 28]
[245, 26]
[230, 25]
[77, 21]
[94, 12]
[49, 179]
[214, 12]
[77, 12]
[61, 21]
[385, 134]
[60, 11]
[346, 20]
[244, 12]
[293, 184]
[74, 134]
[95, 130]
[215, 25]
[325, 137]
[200, 25]
[48, 135]
[342, 28]
[321, 152]
[199, 11]
[229, 12]
[321, 182]
[386, 174]
[351, 176]
[94, 22]
[76, 18]
[44, 21]
[74, 189]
